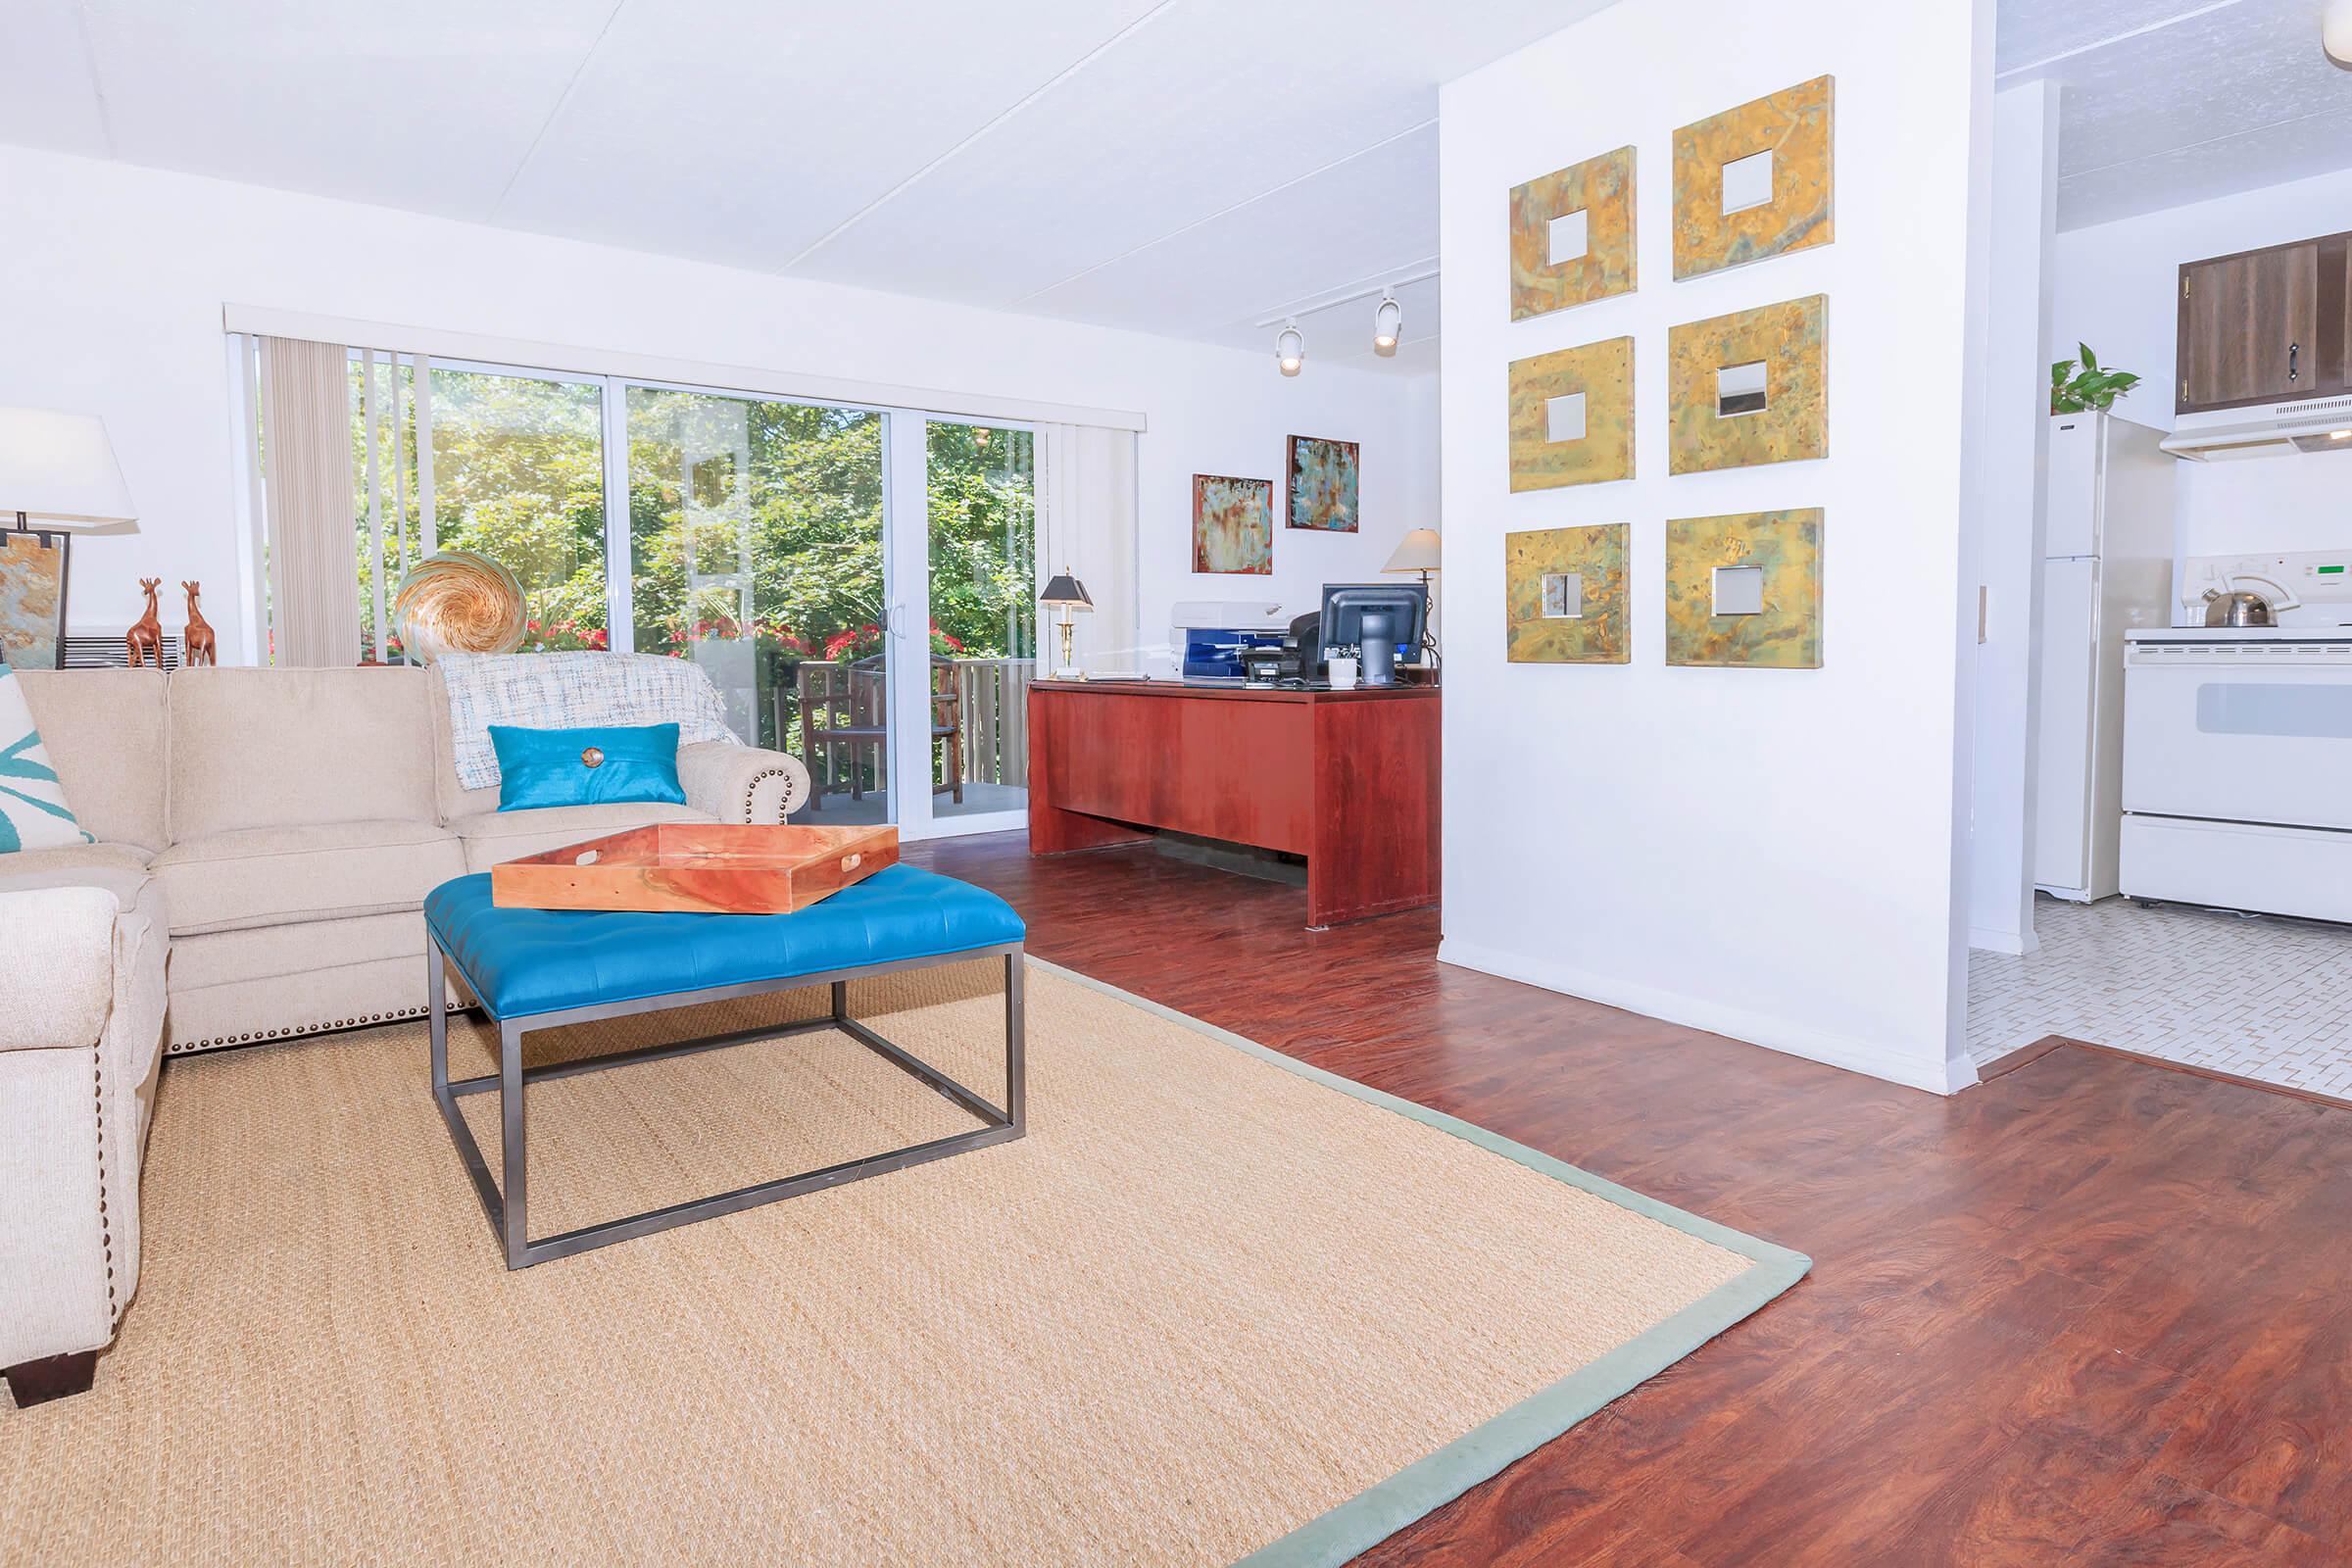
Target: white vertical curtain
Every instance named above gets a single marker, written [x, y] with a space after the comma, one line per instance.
[306, 443]
[1086, 516]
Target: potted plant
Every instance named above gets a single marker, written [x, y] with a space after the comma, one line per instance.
[2081, 387]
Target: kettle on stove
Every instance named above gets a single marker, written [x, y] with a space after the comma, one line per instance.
[2238, 608]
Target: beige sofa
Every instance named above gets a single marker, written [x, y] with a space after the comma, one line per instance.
[275, 833]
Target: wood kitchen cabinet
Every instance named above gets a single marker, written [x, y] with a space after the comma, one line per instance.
[2265, 325]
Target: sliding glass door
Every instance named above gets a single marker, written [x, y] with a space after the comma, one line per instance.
[860, 584]
[980, 566]
[755, 549]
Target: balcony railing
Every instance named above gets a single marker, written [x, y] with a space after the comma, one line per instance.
[991, 710]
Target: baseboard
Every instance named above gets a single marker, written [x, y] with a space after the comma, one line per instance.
[1694, 1012]
[1985, 940]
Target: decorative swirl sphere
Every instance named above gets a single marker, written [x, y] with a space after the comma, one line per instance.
[457, 602]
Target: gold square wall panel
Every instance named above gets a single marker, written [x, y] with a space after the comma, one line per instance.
[1572, 415]
[1769, 163]
[1745, 590]
[1572, 236]
[1565, 596]
[1749, 387]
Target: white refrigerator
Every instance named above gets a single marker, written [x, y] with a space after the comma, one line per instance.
[2107, 567]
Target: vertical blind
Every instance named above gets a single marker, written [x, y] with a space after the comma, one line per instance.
[1086, 516]
[306, 420]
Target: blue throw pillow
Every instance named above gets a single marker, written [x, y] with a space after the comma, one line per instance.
[586, 766]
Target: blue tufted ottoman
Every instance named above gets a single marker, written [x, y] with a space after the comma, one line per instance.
[533, 969]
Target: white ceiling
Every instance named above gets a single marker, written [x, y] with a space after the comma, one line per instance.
[2173, 101]
[1183, 166]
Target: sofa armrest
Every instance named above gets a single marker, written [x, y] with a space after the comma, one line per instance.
[58, 985]
[742, 783]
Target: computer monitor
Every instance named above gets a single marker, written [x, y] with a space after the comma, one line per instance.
[1382, 622]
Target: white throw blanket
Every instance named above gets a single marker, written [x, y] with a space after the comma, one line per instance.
[570, 691]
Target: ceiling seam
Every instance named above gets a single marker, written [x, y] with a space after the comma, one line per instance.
[562, 99]
[1001, 115]
[2134, 32]
[2193, 146]
[89, 62]
[1222, 212]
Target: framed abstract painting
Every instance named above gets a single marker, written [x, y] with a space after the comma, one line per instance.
[1233, 524]
[1322, 485]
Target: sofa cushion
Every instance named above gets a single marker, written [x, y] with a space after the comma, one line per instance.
[103, 732]
[494, 836]
[278, 748]
[39, 865]
[320, 872]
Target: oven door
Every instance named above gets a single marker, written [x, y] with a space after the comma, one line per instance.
[2239, 732]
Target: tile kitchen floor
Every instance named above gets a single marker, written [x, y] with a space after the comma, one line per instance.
[2262, 997]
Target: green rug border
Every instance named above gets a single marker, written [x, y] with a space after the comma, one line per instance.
[1371, 1516]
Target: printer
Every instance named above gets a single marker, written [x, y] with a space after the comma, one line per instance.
[1212, 638]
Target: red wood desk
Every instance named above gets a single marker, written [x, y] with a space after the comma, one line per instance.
[1347, 779]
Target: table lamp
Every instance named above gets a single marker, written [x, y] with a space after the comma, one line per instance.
[57, 471]
[1418, 551]
[1068, 593]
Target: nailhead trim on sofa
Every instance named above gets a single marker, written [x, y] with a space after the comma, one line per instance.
[184, 1048]
[106, 1232]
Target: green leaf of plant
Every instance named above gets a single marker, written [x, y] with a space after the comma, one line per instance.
[2089, 361]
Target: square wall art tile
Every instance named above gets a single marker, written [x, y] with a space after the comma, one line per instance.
[1322, 485]
[1749, 387]
[1753, 182]
[1745, 590]
[1572, 236]
[1233, 524]
[1572, 415]
[1564, 592]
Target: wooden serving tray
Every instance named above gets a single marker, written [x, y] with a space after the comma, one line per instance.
[697, 867]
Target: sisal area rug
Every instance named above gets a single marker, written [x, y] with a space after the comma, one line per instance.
[1218, 1305]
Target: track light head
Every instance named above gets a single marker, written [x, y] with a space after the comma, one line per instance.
[1289, 349]
[1388, 324]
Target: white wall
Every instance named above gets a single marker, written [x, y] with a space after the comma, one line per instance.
[113, 281]
[2116, 286]
[2009, 524]
[1765, 853]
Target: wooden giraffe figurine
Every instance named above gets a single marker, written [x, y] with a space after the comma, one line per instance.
[145, 638]
[196, 643]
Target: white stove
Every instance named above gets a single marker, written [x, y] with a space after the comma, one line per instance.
[2238, 766]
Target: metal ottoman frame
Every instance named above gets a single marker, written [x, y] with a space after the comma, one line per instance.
[507, 1205]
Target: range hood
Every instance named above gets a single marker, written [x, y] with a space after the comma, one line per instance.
[2314, 424]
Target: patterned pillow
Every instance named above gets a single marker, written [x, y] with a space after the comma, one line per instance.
[570, 691]
[33, 814]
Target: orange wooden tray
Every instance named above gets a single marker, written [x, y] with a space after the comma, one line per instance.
[699, 867]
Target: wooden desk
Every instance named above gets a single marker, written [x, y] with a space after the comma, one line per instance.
[1347, 779]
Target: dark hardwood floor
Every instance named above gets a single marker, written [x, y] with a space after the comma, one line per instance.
[2093, 1311]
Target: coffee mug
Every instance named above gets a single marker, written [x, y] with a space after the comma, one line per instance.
[1343, 674]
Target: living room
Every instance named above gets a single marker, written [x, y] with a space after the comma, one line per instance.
[1076, 784]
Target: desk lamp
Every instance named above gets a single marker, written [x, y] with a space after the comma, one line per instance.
[1068, 593]
[1418, 551]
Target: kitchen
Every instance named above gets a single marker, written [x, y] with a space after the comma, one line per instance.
[2188, 793]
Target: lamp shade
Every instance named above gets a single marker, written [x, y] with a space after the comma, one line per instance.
[1065, 589]
[60, 468]
[1415, 551]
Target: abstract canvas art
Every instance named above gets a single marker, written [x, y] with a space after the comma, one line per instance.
[1745, 590]
[32, 597]
[1753, 182]
[1322, 484]
[1233, 524]
[1572, 236]
[1564, 596]
[1749, 387]
[1572, 415]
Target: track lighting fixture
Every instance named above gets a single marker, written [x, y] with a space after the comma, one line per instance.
[1386, 322]
[1289, 348]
